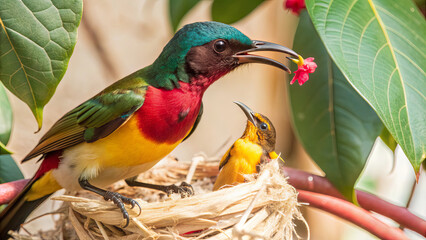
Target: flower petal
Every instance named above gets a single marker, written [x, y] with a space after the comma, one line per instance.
[305, 66]
[295, 5]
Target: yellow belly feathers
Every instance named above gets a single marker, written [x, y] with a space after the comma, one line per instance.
[245, 155]
[124, 153]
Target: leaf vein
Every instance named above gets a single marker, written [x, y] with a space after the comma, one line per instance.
[374, 79]
[4, 54]
[20, 62]
[388, 102]
[400, 22]
[392, 50]
[359, 44]
[410, 60]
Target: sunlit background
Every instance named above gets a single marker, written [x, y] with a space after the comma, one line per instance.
[116, 38]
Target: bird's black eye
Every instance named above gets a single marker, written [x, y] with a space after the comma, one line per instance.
[220, 46]
[263, 126]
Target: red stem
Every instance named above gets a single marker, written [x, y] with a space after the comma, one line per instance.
[400, 214]
[352, 213]
[310, 182]
[10, 189]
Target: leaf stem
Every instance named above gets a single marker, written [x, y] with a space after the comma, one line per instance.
[352, 213]
[309, 182]
[10, 190]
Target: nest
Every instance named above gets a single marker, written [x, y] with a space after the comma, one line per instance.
[265, 207]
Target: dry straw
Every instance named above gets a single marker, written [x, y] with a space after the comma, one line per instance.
[264, 208]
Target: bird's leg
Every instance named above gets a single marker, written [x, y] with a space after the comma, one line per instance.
[184, 189]
[115, 197]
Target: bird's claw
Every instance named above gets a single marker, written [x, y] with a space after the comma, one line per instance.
[184, 189]
[119, 200]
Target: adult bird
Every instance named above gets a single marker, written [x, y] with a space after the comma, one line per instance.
[256, 146]
[135, 122]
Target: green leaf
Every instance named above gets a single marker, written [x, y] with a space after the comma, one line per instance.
[232, 11]
[37, 39]
[380, 46]
[334, 124]
[178, 9]
[6, 117]
[9, 171]
[388, 139]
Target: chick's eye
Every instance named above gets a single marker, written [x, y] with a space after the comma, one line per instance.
[263, 126]
[220, 46]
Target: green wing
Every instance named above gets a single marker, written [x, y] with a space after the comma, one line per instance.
[200, 113]
[94, 119]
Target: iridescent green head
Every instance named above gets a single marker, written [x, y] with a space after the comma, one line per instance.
[205, 51]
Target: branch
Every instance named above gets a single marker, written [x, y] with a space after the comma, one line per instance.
[310, 182]
[352, 213]
[401, 215]
[9, 190]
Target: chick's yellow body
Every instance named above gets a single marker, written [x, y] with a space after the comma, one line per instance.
[242, 158]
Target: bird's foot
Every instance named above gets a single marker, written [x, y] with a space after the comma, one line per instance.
[184, 189]
[119, 200]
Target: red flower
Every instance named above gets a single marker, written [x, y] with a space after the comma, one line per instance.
[304, 68]
[295, 5]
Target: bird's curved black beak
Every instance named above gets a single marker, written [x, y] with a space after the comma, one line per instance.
[247, 111]
[244, 57]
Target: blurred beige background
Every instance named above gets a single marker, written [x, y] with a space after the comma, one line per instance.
[117, 38]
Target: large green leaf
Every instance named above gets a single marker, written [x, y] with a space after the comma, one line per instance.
[231, 11]
[9, 171]
[380, 46]
[178, 9]
[6, 119]
[37, 39]
[334, 124]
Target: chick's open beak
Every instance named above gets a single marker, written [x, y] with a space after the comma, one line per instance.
[247, 111]
[244, 57]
